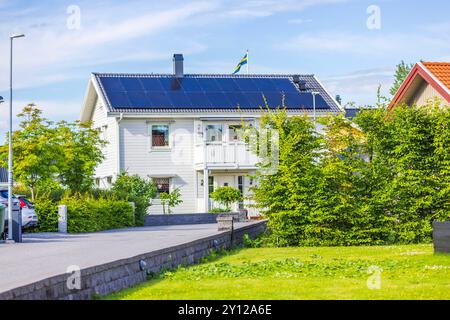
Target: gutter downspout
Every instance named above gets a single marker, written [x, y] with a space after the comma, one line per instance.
[119, 120]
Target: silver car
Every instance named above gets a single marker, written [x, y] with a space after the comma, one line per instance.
[29, 216]
[26, 220]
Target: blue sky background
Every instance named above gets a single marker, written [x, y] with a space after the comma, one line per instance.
[328, 38]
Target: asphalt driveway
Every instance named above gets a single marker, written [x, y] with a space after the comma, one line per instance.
[45, 255]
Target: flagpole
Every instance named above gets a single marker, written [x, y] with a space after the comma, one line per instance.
[247, 63]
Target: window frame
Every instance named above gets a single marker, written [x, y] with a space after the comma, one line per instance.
[223, 132]
[150, 134]
[158, 193]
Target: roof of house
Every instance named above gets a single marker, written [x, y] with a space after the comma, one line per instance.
[441, 70]
[436, 74]
[3, 175]
[351, 112]
[208, 92]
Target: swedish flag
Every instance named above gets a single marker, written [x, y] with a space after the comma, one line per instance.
[241, 63]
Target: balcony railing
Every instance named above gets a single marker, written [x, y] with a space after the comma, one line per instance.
[227, 154]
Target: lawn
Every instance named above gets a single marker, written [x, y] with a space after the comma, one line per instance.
[408, 272]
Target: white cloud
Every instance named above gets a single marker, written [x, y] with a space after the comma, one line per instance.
[264, 8]
[52, 52]
[299, 21]
[360, 85]
[370, 44]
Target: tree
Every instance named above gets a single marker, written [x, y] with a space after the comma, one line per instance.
[171, 200]
[81, 152]
[383, 181]
[402, 71]
[226, 196]
[137, 190]
[35, 152]
[49, 156]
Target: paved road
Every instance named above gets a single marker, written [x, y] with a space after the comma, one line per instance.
[46, 255]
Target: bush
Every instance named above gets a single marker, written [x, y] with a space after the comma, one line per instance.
[383, 183]
[85, 213]
[47, 212]
[219, 210]
[135, 189]
[226, 196]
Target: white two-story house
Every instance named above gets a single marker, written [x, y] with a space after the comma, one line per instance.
[181, 129]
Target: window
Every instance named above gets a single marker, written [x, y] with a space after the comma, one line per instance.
[241, 189]
[160, 136]
[162, 185]
[109, 180]
[214, 132]
[241, 184]
[234, 132]
[211, 184]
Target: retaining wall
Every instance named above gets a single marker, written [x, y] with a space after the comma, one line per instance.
[184, 219]
[441, 237]
[118, 275]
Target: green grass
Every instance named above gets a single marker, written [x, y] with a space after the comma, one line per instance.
[409, 272]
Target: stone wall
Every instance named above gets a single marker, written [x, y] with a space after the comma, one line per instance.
[183, 219]
[118, 275]
[441, 237]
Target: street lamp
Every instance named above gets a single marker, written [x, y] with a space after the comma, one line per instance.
[314, 93]
[10, 157]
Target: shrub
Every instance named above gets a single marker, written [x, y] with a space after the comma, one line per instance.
[47, 212]
[383, 183]
[218, 210]
[86, 214]
[226, 196]
[171, 200]
[135, 189]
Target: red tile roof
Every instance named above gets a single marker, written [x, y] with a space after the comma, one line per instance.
[441, 70]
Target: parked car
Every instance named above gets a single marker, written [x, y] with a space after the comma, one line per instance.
[29, 216]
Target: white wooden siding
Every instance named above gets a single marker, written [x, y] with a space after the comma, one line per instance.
[424, 93]
[108, 168]
[137, 157]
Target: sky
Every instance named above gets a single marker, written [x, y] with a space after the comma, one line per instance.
[352, 46]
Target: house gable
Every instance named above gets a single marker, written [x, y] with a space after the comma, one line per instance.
[423, 83]
[93, 105]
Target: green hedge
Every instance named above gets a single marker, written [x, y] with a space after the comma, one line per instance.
[47, 212]
[85, 214]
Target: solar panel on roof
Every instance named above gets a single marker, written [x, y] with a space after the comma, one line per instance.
[284, 85]
[190, 84]
[112, 84]
[199, 100]
[209, 84]
[131, 84]
[265, 84]
[152, 84]
[159, 99]
[219, 99]
[179, 99]
[138, 99]
[227, 84]
[246, 84]
[205, 92]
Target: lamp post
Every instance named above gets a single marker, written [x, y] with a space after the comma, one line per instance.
[10, 157]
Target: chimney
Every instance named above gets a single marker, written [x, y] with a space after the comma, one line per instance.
[339, 99]
[178, 65]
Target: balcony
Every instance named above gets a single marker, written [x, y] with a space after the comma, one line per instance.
[224, 155]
